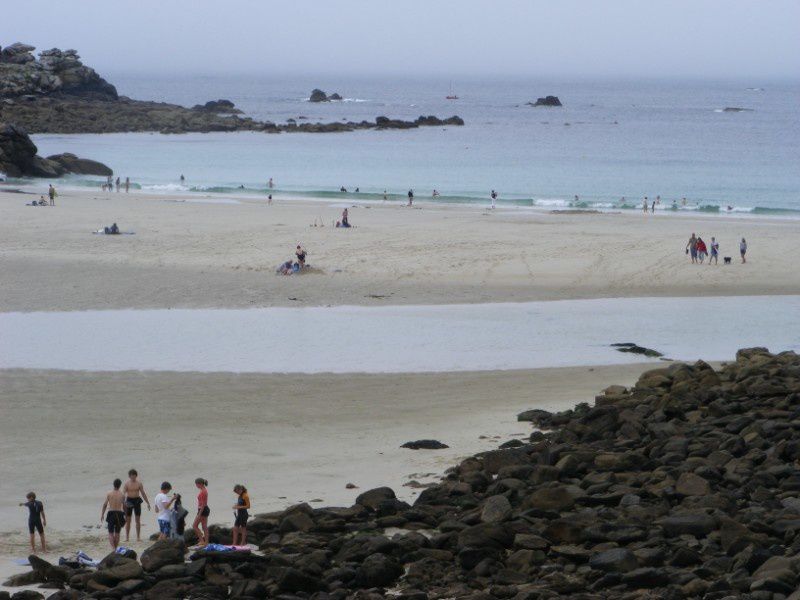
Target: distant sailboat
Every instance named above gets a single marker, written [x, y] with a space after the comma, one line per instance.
[451, 95]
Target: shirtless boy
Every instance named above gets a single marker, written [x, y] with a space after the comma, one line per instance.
[134, 494]
[115, 519]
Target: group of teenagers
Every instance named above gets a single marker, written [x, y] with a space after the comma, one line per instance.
[123, 504]
[697, 249]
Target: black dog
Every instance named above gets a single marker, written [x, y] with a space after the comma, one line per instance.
[727, 260]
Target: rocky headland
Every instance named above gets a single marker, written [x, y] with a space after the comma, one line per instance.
[19, 158]
[684, 486]
[57, 93]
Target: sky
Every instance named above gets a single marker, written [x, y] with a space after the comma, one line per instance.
[718, 39]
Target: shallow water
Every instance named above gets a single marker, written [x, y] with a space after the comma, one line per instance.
[398, 339]
[610, 139]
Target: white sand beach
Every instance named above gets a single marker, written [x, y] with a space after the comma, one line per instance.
[209, 254]
[288, 438]
[301, 437]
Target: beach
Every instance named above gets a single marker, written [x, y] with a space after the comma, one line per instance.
[191, 251]
[288, 438]
[302, 437]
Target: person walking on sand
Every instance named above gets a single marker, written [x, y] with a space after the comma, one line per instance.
[115, 519]
[51, 192]
[200, 524]
[163, 502]
[702, 251]
[743, 250]
[240, 510]
[127, 184]
[410, 197]
[494, 198]
[644, 205]
[37, 520]
[714, 251]
[691, 248]
[134, 496]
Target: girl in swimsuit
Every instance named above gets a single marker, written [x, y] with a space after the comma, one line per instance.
[301, 255]
[200, 524]
[240, 508]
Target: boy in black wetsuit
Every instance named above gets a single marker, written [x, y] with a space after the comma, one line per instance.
[36, 520]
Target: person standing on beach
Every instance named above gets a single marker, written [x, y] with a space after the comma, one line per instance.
[701, 250]
[115, 519]
[410, 197]
[127, 184]
[163, 502]
[494, 198]
[117, 182]
[743, 249]
[240, 510]
[37, 520]
[200, 525]
[300, 253]
[653, 207]
[714, 251]
[644, 205]
[691, 248]
[182, 178]
[683, 201]
[51, 192]
[385, 196]
[134, 495]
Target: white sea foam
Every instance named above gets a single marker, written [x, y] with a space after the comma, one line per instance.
[398, 338]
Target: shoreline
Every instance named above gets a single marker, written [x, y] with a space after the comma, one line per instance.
[375, 414]
[210, 255]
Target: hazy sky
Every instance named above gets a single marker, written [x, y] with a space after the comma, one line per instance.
[751, 39]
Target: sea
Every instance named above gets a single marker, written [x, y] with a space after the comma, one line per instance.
[611, 143]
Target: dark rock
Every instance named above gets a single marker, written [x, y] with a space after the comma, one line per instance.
[70, 163]
[373, 498]
[378, 570]
[636, 349]
[496, 510]
[318, 95]
[646, 577]
[293, 580]
[616, 560]
[546, 101]
[27, 595]
[425, 445]
[696, 525]
[218, 106]
[736, 109]
[164, 552]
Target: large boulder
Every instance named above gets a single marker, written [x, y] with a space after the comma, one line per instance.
[318, 95]
[17, 150]
[163, 552]
[80, 166]
[378, 570]
[615, 560]
[372, 498]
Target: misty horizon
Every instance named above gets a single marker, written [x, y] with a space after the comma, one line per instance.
[623, 40]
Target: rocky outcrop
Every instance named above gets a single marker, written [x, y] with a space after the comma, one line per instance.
[318, 95]
[18, 158]
[218, 106]
[683, 486]
[59, 94]
[58, 72]
[736, 109]
[546, 101]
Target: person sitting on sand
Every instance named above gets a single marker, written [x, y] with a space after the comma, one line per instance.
[37, 520]
[300, 252]
[113, 230]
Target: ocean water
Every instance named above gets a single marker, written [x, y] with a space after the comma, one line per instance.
[610, 140]
[396, 339]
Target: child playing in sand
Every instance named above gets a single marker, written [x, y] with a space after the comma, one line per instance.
[37, 520]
